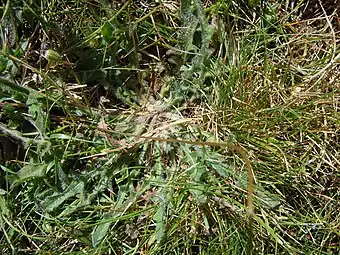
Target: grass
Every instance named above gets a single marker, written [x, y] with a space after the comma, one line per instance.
[133, 127]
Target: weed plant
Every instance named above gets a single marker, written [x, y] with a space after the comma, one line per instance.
[118, 120]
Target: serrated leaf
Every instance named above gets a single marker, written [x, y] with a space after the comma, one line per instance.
[29, 172]
[159, 219]
[35, 110]
[197, 190]
[242, 180]
[267, 199]
[219, 167]
[99, 233]
[63, 178]
[197, 171]
[52, 202]
[34, 98]
[10, 86]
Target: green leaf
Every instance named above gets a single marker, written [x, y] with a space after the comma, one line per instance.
[3, 207]
[254, 3]
[29, 172]
[10, 86]
[107, 32]
[197, 171]
[99, 233]
[198, 190]
[215, 163]
[3, 63]
[159, 219]
[267, 199]
[20, 50]
[34, 98]
[36, 111]
[52, 202]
